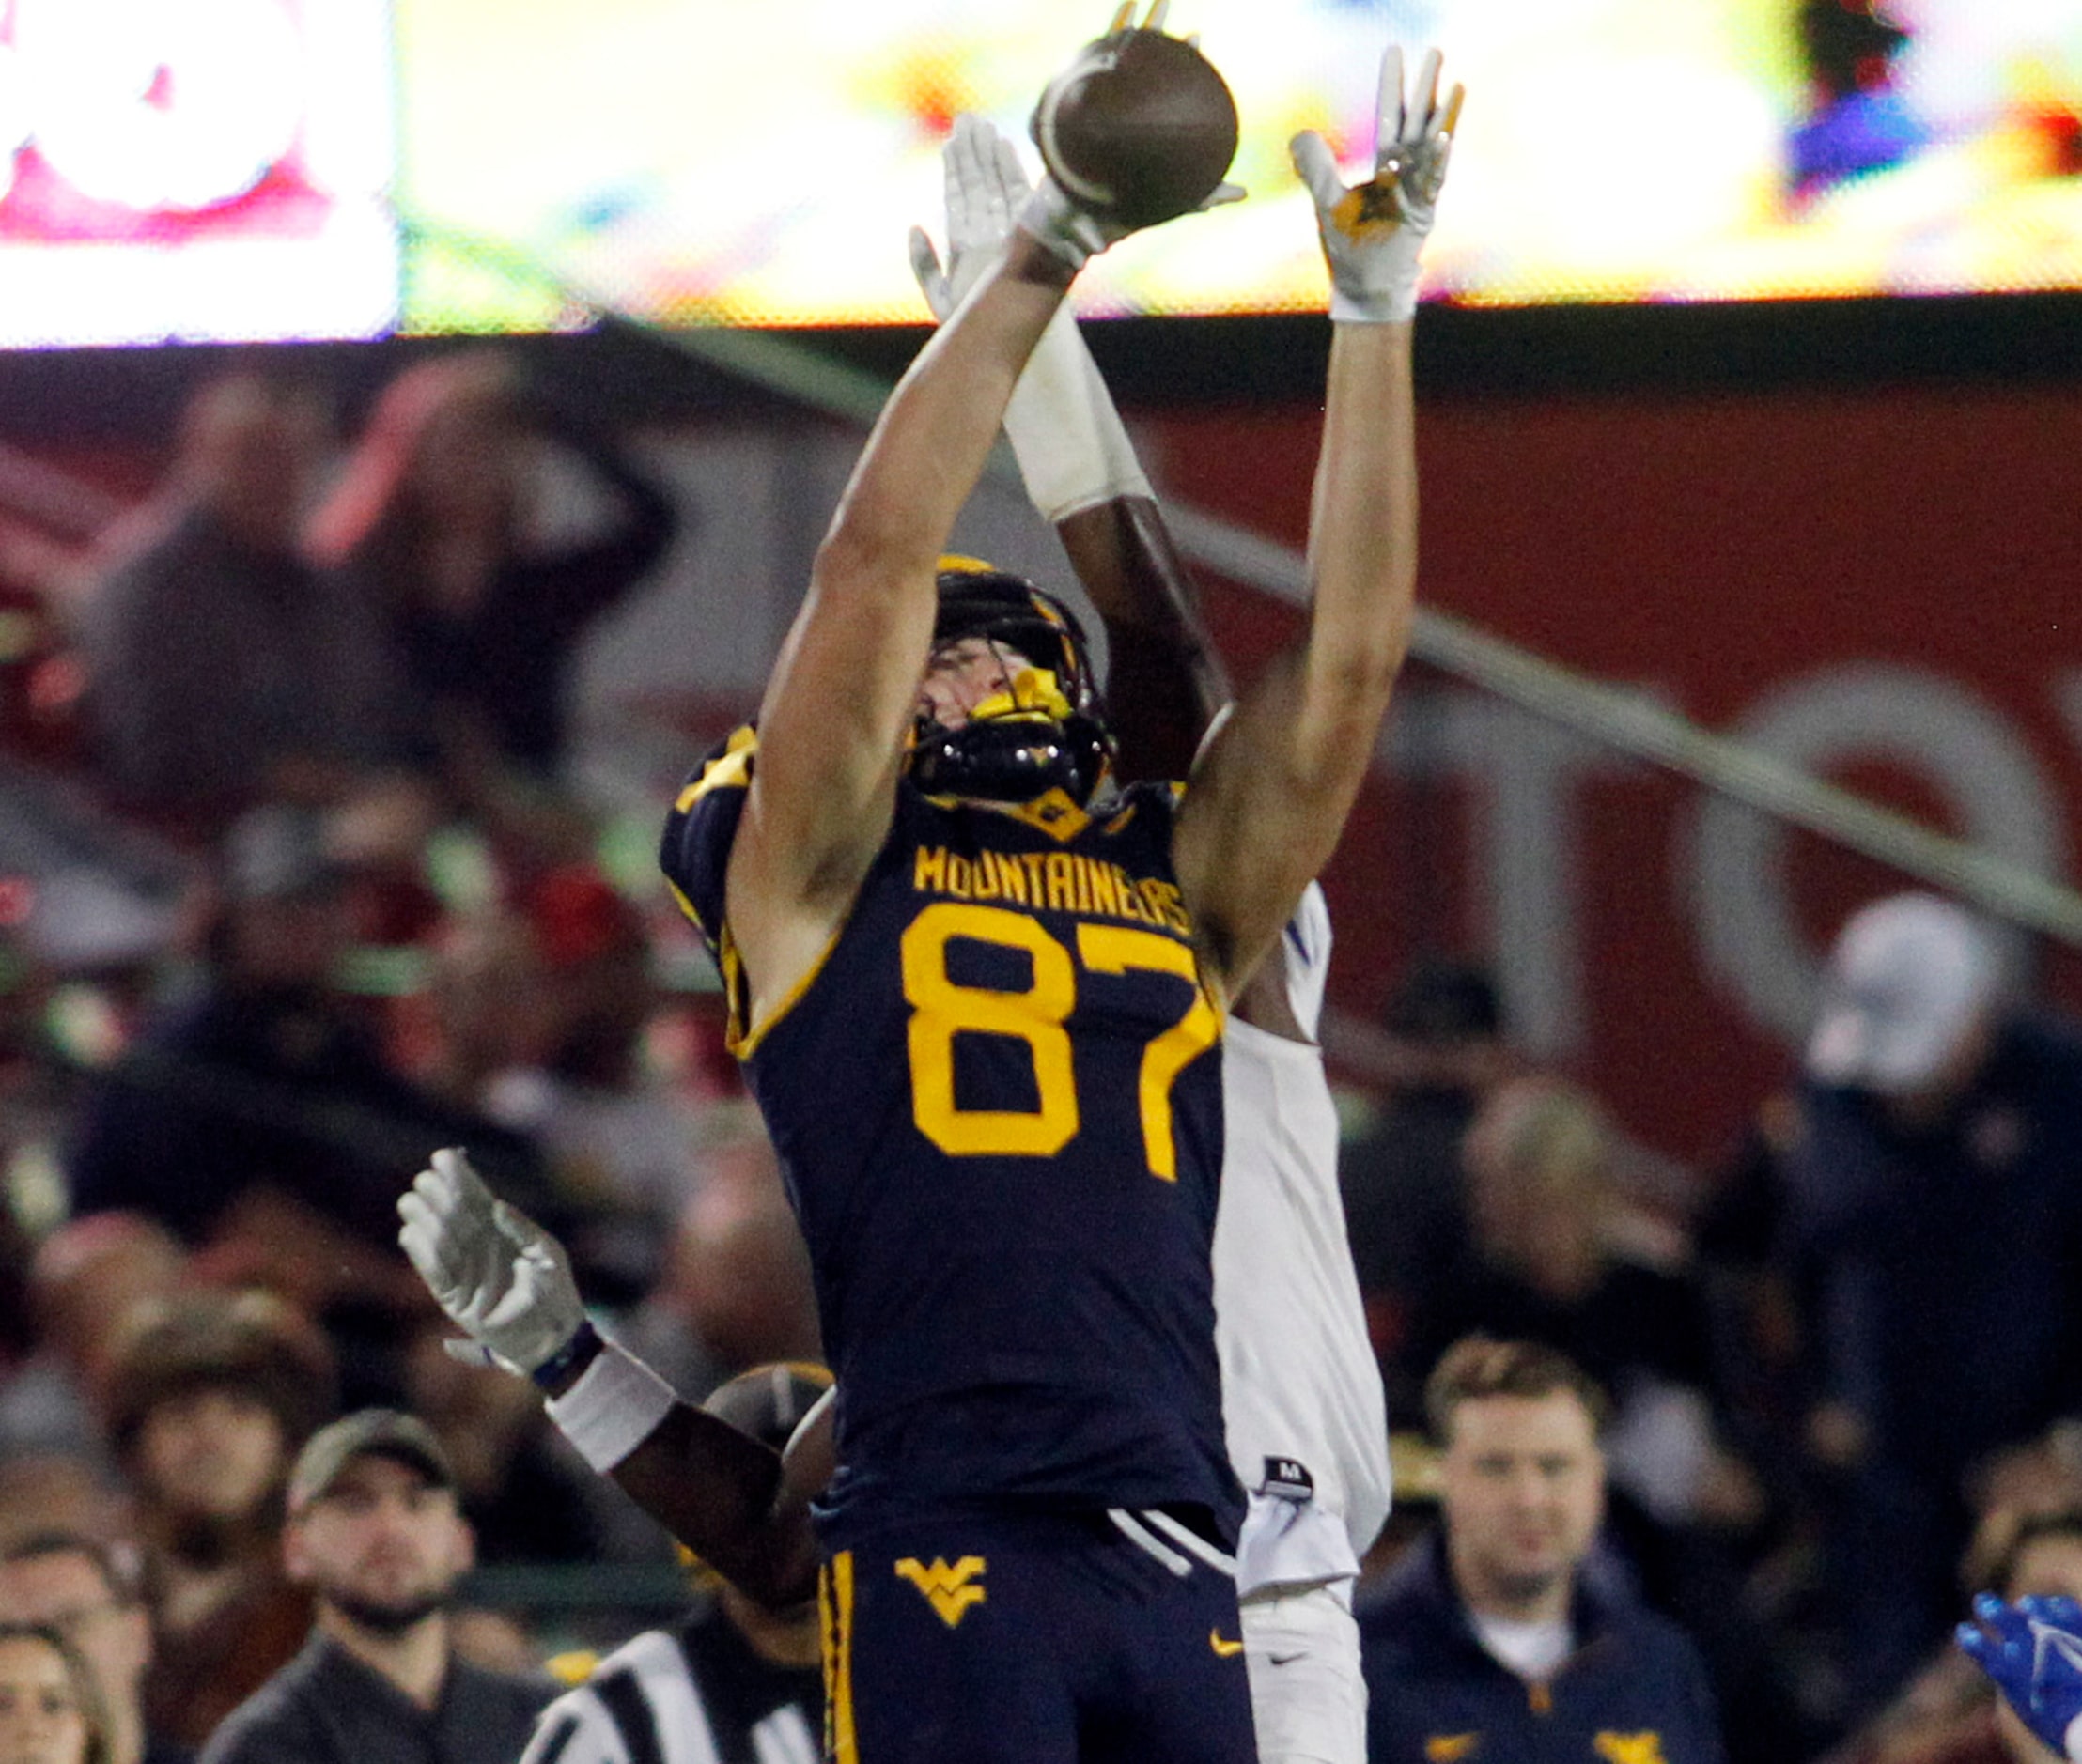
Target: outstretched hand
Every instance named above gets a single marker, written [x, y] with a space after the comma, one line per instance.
[1374, 231]
[1072, 449]
[501, 1277]
[1061, 221]
[2033, 1649]
[986, 189]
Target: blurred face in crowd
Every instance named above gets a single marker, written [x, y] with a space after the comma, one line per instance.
[41, 1721]
[249, 452]
[382, 1547]
[1538, 1188]
[466, 471]
[215, 1452]
[1523, 1485]
[88, 1276]
[492, 998]
[737, 1271]
[67, 1591]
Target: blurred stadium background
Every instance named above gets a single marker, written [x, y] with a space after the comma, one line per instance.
[1749, 423]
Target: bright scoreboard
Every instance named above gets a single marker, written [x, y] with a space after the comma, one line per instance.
[230, 169]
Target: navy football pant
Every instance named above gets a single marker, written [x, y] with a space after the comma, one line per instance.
[1052, 1639]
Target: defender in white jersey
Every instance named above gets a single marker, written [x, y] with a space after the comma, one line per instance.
[1302, 1393]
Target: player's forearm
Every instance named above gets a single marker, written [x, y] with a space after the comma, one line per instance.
[928, 447]
[847, 680]
[1272, 797]
[1164, 678]
[1130, 567]
[1268, 801]
[723, 1495]
[1363, 527]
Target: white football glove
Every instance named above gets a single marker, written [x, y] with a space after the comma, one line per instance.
[1073, 234]
[499, 1277]
[1072, 449]
[1373, 232]
[985, 187]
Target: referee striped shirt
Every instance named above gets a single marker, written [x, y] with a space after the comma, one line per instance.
[696, 1694]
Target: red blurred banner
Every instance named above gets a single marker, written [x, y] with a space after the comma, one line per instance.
[1879, 586]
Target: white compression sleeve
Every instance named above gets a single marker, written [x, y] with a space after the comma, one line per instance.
[1072, 447]
[616, 1405]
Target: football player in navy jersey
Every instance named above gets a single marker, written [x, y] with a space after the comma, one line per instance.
[973, 985]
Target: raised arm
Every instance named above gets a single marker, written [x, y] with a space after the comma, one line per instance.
[832, 722]
[1165, 681]
[1271, 792]
[1080, 470]
[506, 1284]
[846, 687]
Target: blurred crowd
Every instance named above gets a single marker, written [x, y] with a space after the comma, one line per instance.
[331, 679]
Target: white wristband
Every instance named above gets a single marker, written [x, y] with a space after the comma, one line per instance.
[614, 1408]
[1397, 309]
[2073, 1744]
[1073, 451]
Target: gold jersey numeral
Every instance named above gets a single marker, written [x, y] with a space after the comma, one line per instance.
[942, 1009]
[1115, 950]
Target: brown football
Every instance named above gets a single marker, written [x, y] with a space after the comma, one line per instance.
[1139, 126]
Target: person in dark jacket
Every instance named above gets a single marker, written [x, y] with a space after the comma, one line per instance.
[1498, 1639]
[430, 526]
[375, 1533]
[223, 669]
[1933, 1237]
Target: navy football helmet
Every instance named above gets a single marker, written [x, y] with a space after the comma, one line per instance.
[1050, 731]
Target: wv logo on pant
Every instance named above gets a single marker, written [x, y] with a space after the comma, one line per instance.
[949, 1591]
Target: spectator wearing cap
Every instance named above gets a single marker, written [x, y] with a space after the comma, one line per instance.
[1933, 1235]
[91, 1594]
[735, 1679]
[210, 1394]
[375, 1534]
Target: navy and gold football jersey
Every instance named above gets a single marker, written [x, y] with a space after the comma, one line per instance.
[1001, 1129]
